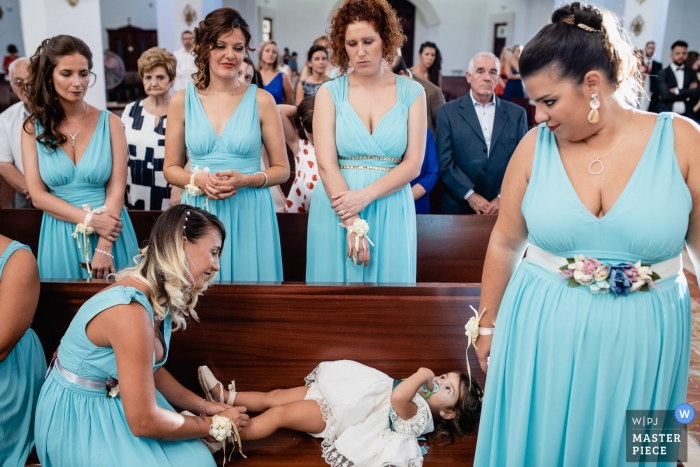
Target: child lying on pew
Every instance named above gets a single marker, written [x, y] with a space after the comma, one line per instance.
[365, 417]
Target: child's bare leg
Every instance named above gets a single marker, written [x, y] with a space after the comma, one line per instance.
[302, 416]
[261, 401]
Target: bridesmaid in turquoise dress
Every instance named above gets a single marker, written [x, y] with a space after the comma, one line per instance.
[223, 124]
[369, 130]
[123, 334]
[75, 170]
[569, 357]
[22, 364]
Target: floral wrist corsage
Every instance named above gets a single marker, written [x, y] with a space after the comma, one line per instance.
[360, 228]
[603, 278]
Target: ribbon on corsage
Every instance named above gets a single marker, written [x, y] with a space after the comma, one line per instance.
[112, 388]
[360, 228]
[194, 190]
[223, 429]
[472, 330]
[85, 230]
[602, 278]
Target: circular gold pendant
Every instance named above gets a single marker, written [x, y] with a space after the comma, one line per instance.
[602, 167]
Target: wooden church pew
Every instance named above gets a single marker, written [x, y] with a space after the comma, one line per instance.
[450, 248]
[272, 336]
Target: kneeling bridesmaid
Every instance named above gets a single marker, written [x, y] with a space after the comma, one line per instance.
[108, 400]
[22, 363]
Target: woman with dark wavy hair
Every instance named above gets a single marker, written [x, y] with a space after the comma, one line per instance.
[369, 135]
[222, 125]
[595, 321]
[430, 64]
[75, 162]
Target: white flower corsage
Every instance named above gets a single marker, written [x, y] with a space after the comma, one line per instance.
[112, 388]
[223, 429]
[84, 229]
[360, 228]
[192, 189]
[472, 331]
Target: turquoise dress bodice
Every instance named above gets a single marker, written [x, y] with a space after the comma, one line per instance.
[363, 159]
[84, 184]
[21, 376]
[251, 250]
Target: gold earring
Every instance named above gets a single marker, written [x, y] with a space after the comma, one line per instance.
[594, 115]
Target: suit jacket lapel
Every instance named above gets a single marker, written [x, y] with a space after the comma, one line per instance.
[469, 114]
[499, 122]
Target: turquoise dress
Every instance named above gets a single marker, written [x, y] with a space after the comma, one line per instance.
[21, 377]
[252, 249]
[59, 256]
[81, 427]
[566, 364]
[364, 158]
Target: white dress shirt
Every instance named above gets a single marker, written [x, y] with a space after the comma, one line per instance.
[184, 70]
[679, 71]
[11, 121]
[486, 115]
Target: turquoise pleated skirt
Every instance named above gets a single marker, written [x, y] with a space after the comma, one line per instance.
[566, 365]
[252, 249]
[79, 427]
[392, 229]
[60, 257]
[21, 376]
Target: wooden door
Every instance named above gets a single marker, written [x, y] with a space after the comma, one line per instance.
[130, 42]
[407, 12]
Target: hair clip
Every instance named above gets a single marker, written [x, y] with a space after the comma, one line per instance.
[585, 27]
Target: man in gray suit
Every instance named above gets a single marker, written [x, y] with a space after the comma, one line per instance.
[476, 136]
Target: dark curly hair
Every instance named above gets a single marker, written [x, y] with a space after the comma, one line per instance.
[218, 22]
[467, 413]
[377, 12]
[581, 38]
[43, 100]
[434, 70]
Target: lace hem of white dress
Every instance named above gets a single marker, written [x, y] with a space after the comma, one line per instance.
[328, 451]
[414, 426]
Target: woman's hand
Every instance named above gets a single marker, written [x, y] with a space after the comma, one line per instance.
[347, 204]
[212, 408]
[106, 225]
[101, 265]
[428, 376]
[484, 344]
[362, 255]
[237, 415]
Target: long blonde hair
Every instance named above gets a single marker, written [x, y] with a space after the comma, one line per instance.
[162, 264]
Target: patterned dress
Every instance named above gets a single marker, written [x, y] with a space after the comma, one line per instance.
[146, 187]
[305, 179]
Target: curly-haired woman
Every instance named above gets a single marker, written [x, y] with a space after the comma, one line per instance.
[75, 166]
[116, 347]
[223, 124]
[369, 133]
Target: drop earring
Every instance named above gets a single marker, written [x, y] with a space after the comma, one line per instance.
[594, 115]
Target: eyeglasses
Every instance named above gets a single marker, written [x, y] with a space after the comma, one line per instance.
[18, 82]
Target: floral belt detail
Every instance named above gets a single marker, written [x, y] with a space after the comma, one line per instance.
[602, 278]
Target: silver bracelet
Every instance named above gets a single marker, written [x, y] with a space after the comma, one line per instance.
[266, 179]
[104, 253]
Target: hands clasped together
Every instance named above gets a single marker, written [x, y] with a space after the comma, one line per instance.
[348, 205]
[221, 185]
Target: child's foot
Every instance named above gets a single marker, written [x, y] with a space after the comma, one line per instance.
[213, 389]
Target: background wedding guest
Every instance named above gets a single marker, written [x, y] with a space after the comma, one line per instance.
[430, 64]
[503, 77]
[433, 94]
[317, 62]
[121, 337]
[144, 123]
[514, 86]
[12, 55]
[11, 121]
[223, 124]
[369, 130]
[75, 163]
[22, 364]
[297, 123]
[693, 63]
[185, 62]
[678, 84]
[651, 81]
[293, 65]
[476, 136]
[278, 82]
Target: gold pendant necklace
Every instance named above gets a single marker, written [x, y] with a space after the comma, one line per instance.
[598, 159]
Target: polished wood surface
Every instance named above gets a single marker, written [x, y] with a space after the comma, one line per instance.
[450, 248]
[272, 336]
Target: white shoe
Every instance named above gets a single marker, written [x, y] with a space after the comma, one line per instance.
[208, 381]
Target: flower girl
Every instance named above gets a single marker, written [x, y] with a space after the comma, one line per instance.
[366, 418]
